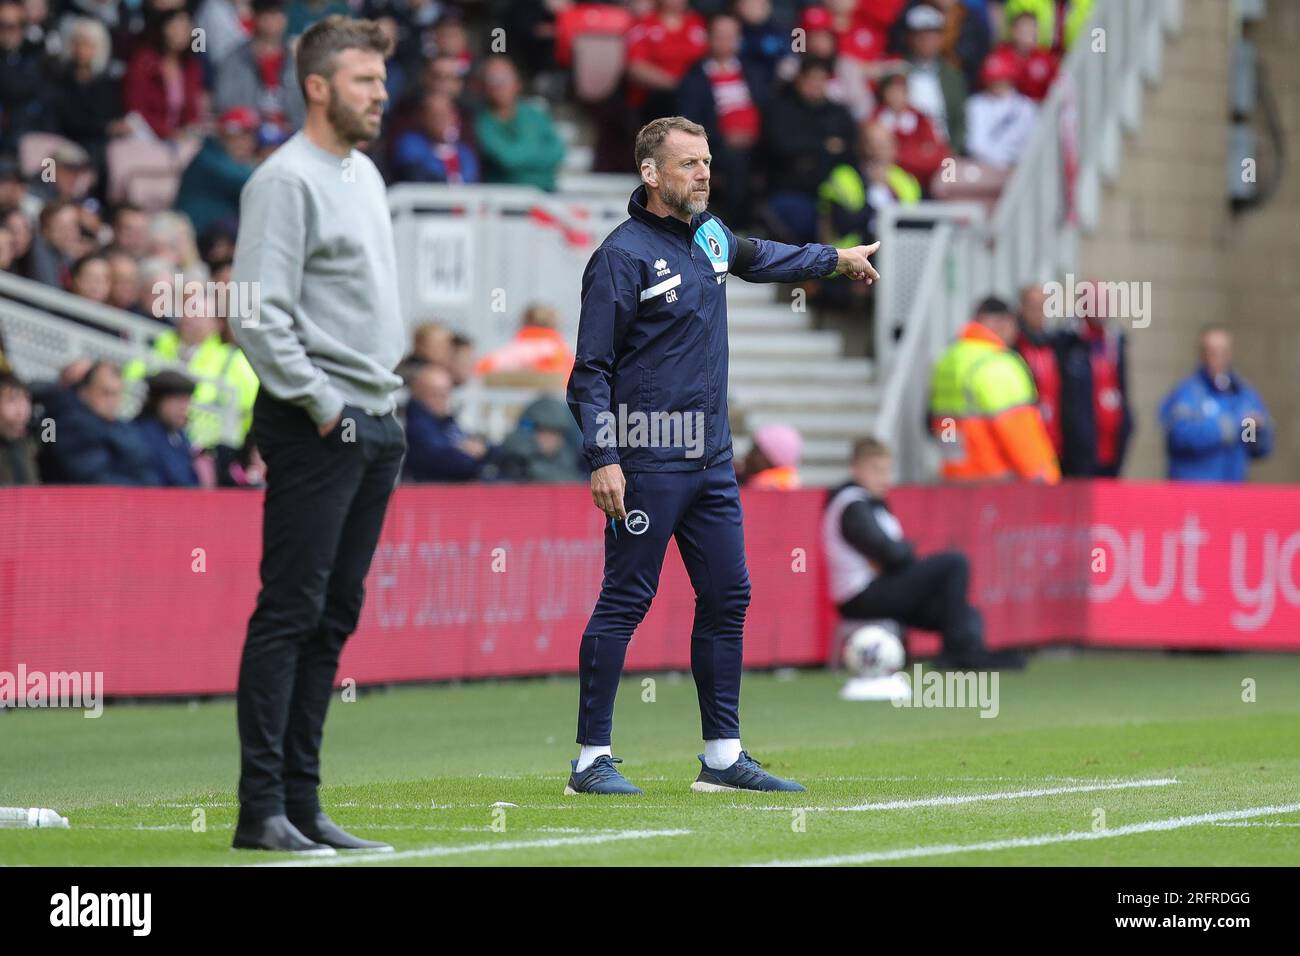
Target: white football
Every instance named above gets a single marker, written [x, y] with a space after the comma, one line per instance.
[874, 651]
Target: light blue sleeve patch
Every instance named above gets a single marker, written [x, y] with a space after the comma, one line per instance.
[712, 238]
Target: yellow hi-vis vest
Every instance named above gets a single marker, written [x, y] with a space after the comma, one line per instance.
[984, 410]
[213, 359]
[846, 188]
[1044, 12]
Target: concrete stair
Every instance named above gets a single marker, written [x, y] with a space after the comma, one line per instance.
[783, 370]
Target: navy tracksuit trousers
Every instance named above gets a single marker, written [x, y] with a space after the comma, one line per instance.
[701, 509]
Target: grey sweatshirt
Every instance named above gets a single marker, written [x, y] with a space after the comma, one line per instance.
[316, 235]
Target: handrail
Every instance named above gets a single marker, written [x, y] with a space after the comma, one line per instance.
[54, 300]
[908, 356]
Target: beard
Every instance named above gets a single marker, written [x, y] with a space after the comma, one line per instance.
[350, 125]
[687, 202]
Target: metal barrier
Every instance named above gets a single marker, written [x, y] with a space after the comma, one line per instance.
[46, 328]
[938, 260]
[472, 257]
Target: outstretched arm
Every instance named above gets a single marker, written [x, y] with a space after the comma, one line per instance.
[765, 260]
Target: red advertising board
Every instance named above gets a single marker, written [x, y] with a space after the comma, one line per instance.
[154, 587]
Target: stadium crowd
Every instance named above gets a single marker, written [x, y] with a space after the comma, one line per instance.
[819, 115]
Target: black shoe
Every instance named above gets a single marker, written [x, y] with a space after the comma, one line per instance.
[278, 834]
[324, 830]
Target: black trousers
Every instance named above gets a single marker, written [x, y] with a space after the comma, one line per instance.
[323, 511]
[930, 593]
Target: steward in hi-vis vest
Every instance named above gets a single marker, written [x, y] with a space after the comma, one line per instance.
[984, 408]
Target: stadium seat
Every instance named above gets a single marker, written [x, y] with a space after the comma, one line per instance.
[973, 181]
[35, 148]
[597, 65]
[147, 174]
[590, 39]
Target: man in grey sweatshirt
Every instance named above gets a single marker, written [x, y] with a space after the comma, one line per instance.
[316, 252]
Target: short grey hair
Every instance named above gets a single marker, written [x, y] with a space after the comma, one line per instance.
[97, 32]
[650, 139]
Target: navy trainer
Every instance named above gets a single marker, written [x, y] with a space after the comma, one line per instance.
[601, 777]
[745, 774]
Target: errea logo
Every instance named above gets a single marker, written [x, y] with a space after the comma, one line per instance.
[661, 267]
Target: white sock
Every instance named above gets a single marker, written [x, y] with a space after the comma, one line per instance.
[721, 754]
[588, 756]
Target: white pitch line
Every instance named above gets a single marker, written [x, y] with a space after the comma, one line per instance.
[1267, 823]
[1046, 839]
[958, 799]
[430, 852]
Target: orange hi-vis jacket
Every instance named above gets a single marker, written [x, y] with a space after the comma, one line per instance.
[533, 349]
[784, 478]
[984, 411]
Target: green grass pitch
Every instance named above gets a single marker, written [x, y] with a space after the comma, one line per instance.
[1102, 758]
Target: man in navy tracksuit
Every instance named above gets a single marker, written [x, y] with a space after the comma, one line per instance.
[649, 392]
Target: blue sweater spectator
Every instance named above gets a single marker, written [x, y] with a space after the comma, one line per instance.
[91, 446]
[161, 430]
[436, 447]
[170, 455]
[433, 152]
[1214, 422]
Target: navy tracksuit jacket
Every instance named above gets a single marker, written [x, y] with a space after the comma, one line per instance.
[649, 391]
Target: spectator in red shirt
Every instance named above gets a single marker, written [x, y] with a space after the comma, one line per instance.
[1096, 418]
[164, 82]
[724, 97]
[860, 51]
[1038, 347]
[859, 38]
[660, 49]
[260, 73]
[1036, 67]
[921, 150]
